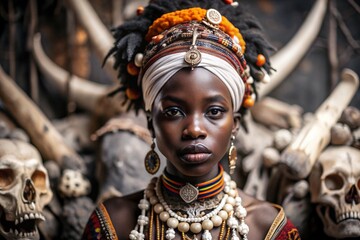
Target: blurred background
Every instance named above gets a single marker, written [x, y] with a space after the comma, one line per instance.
[43, 40]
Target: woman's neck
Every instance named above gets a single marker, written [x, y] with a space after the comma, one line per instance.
[194, 180]
[190, 192]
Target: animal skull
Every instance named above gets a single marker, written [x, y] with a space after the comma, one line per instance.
[24, 190]
[334, 185]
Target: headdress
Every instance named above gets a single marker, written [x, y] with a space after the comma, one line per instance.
[169, 35]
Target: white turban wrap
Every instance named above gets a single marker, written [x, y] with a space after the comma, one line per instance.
[157, 75]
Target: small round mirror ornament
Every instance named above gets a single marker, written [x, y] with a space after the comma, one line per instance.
[213, 16]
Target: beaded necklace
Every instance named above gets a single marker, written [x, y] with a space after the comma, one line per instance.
[229, 212]
[189, 192]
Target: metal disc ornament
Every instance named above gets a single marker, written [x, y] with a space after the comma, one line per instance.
[213, 16]
[193, 57]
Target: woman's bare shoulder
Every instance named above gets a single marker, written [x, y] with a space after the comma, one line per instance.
[260, 215]
[117, 203]
[123, 212]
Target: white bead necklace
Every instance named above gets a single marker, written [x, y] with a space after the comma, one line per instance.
[229, 209]
[182, 219]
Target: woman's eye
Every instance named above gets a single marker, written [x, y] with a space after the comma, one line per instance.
[173, 112]
[215, 112]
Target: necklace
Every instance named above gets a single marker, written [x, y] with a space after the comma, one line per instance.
[229, 211]
[189, 192]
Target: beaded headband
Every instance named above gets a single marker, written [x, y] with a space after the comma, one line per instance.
[209, 17]
[192, 30]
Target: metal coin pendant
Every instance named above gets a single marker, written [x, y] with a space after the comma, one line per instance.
[189, 193]
[193, 57]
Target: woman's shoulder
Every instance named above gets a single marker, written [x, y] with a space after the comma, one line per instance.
[123, 203]
[261, 215]
[123, 212]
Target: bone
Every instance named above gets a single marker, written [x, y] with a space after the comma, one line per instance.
[282, 139]
[19, 134]
[271, 157]
[351, 117]
[98, 33]
[42, 133]
[341, 135]
[299, 157]
[73, 184]
[4, 129]
[285, 60]
[301, 189]
[88, 95]
[334, 188]
[256, 184]
[356, 136]
[274, 113]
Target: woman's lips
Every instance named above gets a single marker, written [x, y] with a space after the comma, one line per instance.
[195, 153]
[196, 158]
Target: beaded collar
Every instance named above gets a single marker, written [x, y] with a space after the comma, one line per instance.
[189, 192]
[155, 211]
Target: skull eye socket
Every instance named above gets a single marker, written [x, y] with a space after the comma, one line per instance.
[334, 182]
[7, 176]
[39, 179]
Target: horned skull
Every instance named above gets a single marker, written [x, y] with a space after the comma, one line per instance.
[24, 190]
[334, 184]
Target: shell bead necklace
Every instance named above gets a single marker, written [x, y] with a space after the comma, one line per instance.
[229, 209]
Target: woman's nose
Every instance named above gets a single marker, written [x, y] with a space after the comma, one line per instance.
[194, 128]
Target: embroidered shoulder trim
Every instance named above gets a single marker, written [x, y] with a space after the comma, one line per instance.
[278, 224]
[106, 223]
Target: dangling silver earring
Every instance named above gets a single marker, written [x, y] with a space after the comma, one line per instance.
[152, 160]
[232, 155]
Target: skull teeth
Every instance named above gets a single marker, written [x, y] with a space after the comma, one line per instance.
[22, 234]
[348, 215]
[30, 216]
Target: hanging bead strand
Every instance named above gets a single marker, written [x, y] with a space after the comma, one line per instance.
[138, 232]
[228, 212]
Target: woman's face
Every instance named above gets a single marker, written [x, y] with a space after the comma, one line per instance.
[193, 120]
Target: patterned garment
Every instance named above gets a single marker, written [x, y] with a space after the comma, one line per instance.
[100, 226]
[282, 228]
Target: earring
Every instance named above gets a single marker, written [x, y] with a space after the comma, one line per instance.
[232, 155]
[152, 160]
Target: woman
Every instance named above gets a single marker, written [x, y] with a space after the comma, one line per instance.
[191, 77]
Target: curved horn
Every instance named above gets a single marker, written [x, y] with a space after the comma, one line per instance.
[42, 133]
[88, 95]
[84, 92]
[288, 57]
[98, 33]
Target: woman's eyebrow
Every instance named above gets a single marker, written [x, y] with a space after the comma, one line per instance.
[172, 99]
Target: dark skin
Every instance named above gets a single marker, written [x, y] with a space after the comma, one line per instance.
[193, 120]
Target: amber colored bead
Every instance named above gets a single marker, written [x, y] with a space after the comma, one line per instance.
[260, 60]
[228, 1]
[140, 10]
[248, 102]
[157, 38]
[132, 69]
[132, 94]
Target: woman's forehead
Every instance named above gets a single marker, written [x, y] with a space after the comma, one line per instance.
[187, 82]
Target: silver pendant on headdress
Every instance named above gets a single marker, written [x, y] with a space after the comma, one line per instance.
[193, 55]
